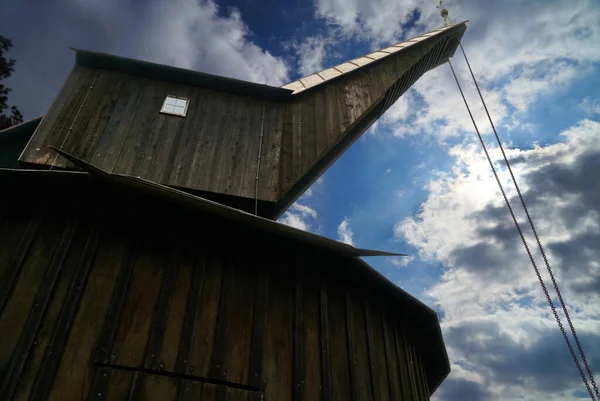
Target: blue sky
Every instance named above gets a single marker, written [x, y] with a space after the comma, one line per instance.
[416, 182]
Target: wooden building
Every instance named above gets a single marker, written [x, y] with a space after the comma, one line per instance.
[140, 259]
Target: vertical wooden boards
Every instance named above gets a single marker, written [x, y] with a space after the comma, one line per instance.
[307, 133]
[36, 312]
[391, 358]
[192, 309]
[246, 123]
[117, 388]
[412, 371]
[32, 153]
[332, 127]
[297, 145]
[53, 128]
[338, 341]
[152, 359]
[206, 321]
[269, 184]
[377, 353]
[85, 142]
[214, 138]
[325, 342]
[287, 148]
[159, 388]
[75, 131]
[223, 136]
[187, 151]
[299, 356]
[420, 381]
[50, 319]
[176, 315]
[259, 328]
[12, 228]
[320, 122]
[404, 364]
[139, 110]
[423, 375]
[311, 338]
[39, 250]
[115, 137]
[203, 146]
[135, 320]
[360, 94]
[66, 370]
[162, 155]
[199, 363]
[147, 130]
[14, 252]
[359, 346]
[234, 333]
[278, 348]
[142, 135]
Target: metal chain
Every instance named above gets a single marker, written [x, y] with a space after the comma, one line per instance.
[510, 209]
[537, 238]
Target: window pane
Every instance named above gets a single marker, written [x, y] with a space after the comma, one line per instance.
[180, 102]
[171, 101]
[179, 110]
[169, 108]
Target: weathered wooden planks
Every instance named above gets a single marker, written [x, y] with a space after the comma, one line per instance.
[341, 387]
[51, 315]
[278, 351]
[26, 279]
[112, 119]
[146, 312]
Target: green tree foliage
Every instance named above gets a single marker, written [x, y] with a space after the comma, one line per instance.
[8, 115]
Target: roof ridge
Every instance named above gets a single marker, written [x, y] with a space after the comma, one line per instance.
[335, 71]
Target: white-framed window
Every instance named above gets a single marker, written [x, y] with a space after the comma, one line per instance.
[175, 105]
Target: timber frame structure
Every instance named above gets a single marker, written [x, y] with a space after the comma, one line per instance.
[133, 266]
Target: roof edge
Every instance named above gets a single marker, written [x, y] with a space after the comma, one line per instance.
[24, 125]
[350, 66]
[185, 198]
[88, 58]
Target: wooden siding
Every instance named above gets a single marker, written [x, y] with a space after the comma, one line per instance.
[320, 117]
[98, 303]
[113, 120]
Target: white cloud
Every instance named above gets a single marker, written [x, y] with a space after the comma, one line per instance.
[299, 216]
[403, 261]
[311, 54]
[497, 324]
[519, 51]
[379, 20]
[590, 106]
[192, 34]
[295, 220]
[345, 234]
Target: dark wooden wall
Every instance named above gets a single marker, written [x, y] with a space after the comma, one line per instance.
[113, 120]
[102, 304]
[320, 117]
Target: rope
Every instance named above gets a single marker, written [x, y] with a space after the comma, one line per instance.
[537, 238]
[262, 126]
[518, 227]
